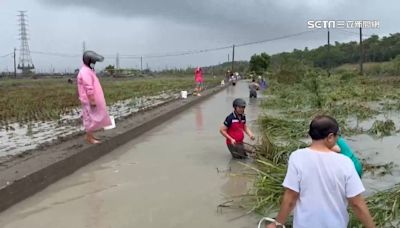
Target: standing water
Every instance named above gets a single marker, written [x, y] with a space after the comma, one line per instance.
[172, 176]
[19, 137]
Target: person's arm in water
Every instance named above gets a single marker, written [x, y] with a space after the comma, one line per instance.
[224, 132]
[360, 209]
[288, 203]
[248, 132]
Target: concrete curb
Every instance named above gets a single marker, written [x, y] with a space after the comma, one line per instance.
[28, 175]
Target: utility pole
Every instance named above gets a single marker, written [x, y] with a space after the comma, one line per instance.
[141, 63]
[233, 57]
[117, 61]
[83, 46]
[329, 55]
[361, 53]
[228, 58]
[15, 63]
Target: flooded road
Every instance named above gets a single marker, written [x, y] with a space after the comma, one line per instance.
[172, 176]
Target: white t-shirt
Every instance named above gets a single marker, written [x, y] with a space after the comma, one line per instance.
[324, 180]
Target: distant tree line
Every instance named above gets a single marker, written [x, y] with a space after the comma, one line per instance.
[375, 50]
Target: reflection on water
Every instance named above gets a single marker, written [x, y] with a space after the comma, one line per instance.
[238, 178]
[230, 90]
[253, 101]
[354, 122]
[199, 118]
[167, 177]
[378, 151]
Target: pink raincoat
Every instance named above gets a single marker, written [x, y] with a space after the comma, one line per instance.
[94, 118]
[198, 75]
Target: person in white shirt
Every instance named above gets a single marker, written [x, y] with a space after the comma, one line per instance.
[320, 183]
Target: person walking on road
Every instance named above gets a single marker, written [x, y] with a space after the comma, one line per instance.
[253, 86]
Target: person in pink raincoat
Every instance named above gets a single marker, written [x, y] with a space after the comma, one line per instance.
[198, 78]
[94, 108]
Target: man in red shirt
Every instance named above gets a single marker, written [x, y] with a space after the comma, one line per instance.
[234, 128]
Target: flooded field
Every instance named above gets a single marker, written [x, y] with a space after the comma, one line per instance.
[17, 137]
[175, 175]
[37, 111]
[372, 148]
[367, 110]
[146, 166]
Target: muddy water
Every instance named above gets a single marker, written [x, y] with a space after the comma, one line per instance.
[173, 176]
[22, 137]
[378, 151]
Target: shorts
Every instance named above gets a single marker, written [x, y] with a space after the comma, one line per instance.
[237, 151]
[199, 84]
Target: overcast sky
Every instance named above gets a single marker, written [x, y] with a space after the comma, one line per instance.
[158, 27]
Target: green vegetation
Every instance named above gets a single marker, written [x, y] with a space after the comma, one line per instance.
[389, 68]
[24, 100]
[293, 103]
[380, 51]
[259, 63]
[383, 128]
[220, 69]
[376, 50]
[301, 88]
[384, 207]
[337, 95]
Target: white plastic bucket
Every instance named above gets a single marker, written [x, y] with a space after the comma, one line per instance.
[112, 124]
[184, 94]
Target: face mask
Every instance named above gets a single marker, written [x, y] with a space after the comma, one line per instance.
[92, 65]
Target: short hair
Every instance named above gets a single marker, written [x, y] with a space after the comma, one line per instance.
[321, 126]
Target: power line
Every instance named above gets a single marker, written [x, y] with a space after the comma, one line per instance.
[352, 32]
[191, 52]
[56, 54]
[274, 39]
[178, 53]
[6, 55]
[188, 52]
[184, 53]
[66, 55]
